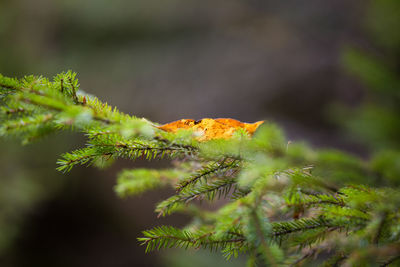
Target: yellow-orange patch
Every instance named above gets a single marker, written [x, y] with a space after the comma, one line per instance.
[211, 128]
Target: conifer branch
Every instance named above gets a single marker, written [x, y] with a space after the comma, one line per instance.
[265, 178]
[218, 188]
[285, 228]
[264, 248]
[169, 237]
[207, 171]
[137, 181]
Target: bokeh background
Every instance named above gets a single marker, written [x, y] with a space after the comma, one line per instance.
[166, 60]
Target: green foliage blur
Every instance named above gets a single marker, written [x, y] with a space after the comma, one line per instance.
[375, 123]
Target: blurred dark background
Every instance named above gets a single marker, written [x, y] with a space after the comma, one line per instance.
[163, 60]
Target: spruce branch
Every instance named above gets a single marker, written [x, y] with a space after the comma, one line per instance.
[284, 228]
[264, 249]
[212, 168]
[262, 178]
[132, 150]
[209, 191]
[169, 237]
[137, 181]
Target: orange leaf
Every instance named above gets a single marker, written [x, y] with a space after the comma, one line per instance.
[211, 128]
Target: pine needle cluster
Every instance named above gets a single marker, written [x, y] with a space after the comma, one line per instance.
[284, 203]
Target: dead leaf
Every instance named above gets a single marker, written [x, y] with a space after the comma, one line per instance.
[211, 128]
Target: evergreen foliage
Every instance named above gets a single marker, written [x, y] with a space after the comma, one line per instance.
[285, 203]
